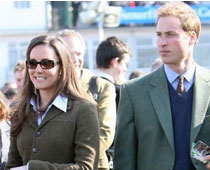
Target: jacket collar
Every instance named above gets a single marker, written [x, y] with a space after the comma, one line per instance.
[160, 99]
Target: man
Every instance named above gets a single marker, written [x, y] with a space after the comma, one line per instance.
[19, 72]
[106, 94]
[159, 118]
[112, 57]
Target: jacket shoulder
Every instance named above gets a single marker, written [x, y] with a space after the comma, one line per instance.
[203, 72]
[86, 75]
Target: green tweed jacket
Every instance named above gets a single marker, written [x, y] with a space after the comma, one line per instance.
[106, 113]
[63, 141]
[144, 139]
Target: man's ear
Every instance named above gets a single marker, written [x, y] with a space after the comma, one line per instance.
[193, 38]
[114, 61]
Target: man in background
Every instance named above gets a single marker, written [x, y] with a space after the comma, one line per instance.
[112, 58]
[19, 72]
[105, 95]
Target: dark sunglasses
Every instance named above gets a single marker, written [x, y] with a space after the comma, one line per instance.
[44, 63]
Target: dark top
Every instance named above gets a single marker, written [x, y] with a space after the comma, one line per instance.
[181, 109]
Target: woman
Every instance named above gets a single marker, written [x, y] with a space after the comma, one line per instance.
[54, 126]
[4, 130]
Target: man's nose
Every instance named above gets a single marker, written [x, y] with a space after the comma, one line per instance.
[162, 41]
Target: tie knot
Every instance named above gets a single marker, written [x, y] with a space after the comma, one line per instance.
[180, 87]
[181, 78]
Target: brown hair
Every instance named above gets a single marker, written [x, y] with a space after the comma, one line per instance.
[67, 83]
[109, 49]
[4, 108]
[189, 19]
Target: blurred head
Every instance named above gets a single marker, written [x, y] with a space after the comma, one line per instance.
[10, 92]
[76, 46]
[136, 74]
[156, 64]
[114, 54]
[19, 72]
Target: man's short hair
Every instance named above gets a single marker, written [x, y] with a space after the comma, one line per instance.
[188, 17]
[109, 49]
[71, 33]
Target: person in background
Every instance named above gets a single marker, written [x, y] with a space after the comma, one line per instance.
[19, 72]
[4, 130]
[55, 124]
[105, 92]
[10, 92]
[162, 114]
[112, 58]
[157, 63]
[136, 74]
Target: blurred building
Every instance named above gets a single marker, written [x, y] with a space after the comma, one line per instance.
[20, 21]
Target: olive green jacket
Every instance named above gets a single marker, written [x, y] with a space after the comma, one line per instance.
[144, 138]
[63, 141]
[106, 112]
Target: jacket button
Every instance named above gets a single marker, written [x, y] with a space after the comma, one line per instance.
[37, 134]
[35, 150]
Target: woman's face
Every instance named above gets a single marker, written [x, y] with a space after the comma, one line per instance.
[43, 76]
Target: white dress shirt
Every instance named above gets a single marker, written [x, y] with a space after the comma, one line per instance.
[172, 76]
[60, 102]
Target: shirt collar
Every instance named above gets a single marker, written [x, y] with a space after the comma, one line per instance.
[105, 75]
[60, 102]
[172, 75]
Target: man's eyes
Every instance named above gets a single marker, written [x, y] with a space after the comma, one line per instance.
[158, 34]
[166, 34]
[171, 34]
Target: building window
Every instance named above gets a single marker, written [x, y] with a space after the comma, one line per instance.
[17, 51]
[22, 50]
[22, 4]
[13, 55]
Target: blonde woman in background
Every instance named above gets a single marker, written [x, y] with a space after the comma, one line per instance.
[4, 130]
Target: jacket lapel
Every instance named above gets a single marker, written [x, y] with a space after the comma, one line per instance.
[160, 99]
[31, 119]
[201, 96]
[53, 112]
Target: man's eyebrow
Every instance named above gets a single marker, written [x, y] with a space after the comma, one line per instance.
[165, 32]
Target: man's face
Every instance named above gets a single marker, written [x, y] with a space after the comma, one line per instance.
[77, 50]
[172, 41]
[19, 78]
[120, 69]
